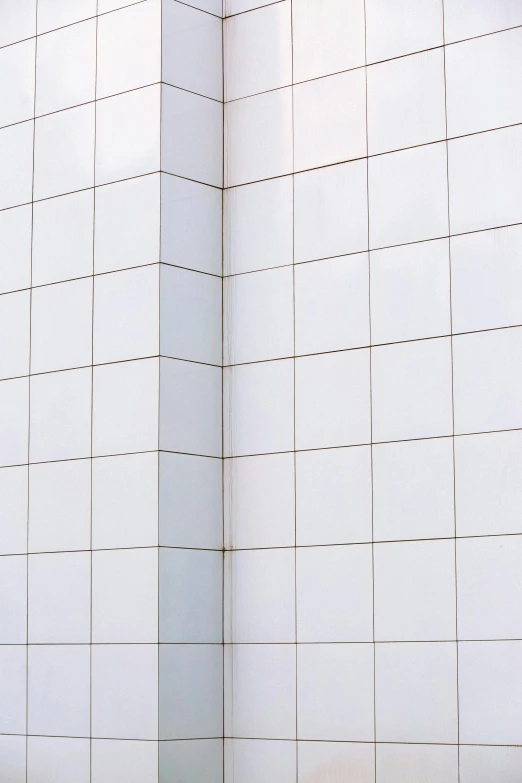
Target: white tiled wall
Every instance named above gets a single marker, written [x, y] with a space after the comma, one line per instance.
[110, 392]
[302, 345]
[373, 395]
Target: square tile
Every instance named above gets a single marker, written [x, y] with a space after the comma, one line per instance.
[60, 506]
[190, 315]
[411, 390]
[21, 23]
[489, 587]
[485, 196]
[333, 496]
[13, 510]
[331, 676]
[120, 36]
[14, 421]
[13, 676]
[125, 501]
[105, 6]
[415, 591]
[331, 304]
[418, 763]
[128, 222]
[487, 381]
[323, 199]
[332, 399]
[413, 490]
[488, 491]
[258, 137]
[64, 152]
[490, 688]
[398, 27]
[190, 596]
[258, 226]
[191, 140]
[260, 596]
[125, 407]
[406, 102]
[192, 49]
[52, 14]
[14, 324]
[66, 67]
[15, 248]
[259, 498]
[192, 225]
[328, 37]
[486, 279]
[58, 760]
[482, 764]
[330, 120]
[63, 237]
[16, 144]
[191, 501]
[182, 758]
[125, 691]
[126, 315]
[468, 18]
[125, 596]
[410, 292]
[258, 316]
[416, 692]
[191, 691]
[321, 760]
[334, 594]
[61, 415]
[59, 690]
[190, 408]
[492, 62]
[408, 193]
[260, 691]
[232, 7]
[255, 761]
[59, 599]
[13, 758]
[13, 611]
[17, 82]
[258, 51]
[61, 326]
[128, 135]
[124, 761]
[258, 404]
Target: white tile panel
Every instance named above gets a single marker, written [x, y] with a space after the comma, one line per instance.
[329, 117]
[258, 51]
[59, 598]
[66, 67]
[328, 37]
[17, 82]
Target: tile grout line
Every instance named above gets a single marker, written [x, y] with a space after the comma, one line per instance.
[452, 389]
[159, 401]
[269, 453]
[370, 388]
[294, 400]
[92, 397]
[223, 483]
[29, 421]
[316, 545]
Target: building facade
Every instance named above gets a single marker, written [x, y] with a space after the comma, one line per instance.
[260, 391]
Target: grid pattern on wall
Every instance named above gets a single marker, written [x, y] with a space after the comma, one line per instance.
[110, 391]
[373, 391]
